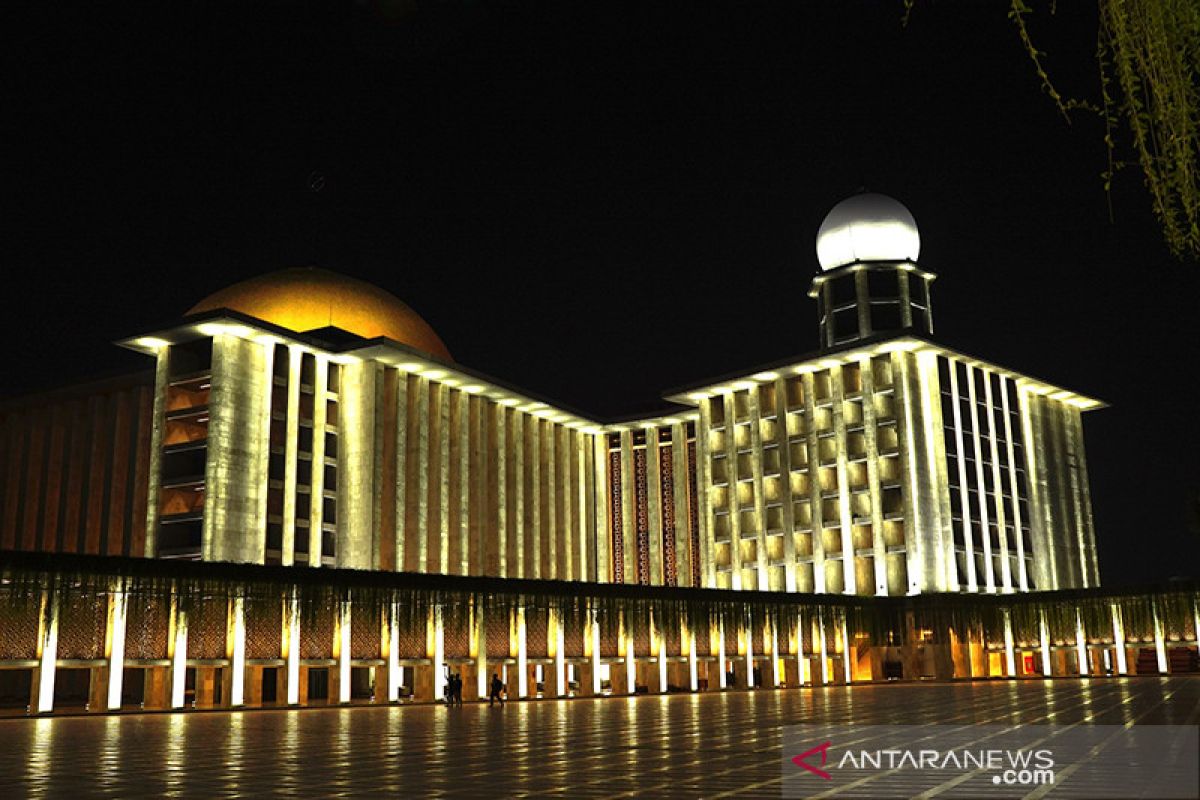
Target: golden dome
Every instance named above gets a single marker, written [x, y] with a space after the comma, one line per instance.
[307, 298]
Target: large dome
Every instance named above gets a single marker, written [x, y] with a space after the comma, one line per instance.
[867, 227]
[307, 298]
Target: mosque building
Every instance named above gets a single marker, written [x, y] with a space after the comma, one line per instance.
[303, 419]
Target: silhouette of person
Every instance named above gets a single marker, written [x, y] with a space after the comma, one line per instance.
[730, 679]
[497, 690]
[458, 687]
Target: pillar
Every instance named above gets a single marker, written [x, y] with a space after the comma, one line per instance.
[1081, 648]
[235, 648]
[522, 655]
[1044, 635]
[748, 636]
[722, 676]
[693, 670]
[1160, 644]
[342, 651]
[437, 651]
[657, 638]
[114, 644]
[1119, 640]
[394, 673]
[291, 651]
[821, 647]
[772, 635]
[559, 673]
[847, 649]
[1010, 656]
[801, 661]
[630, 659]
[594, 635]
[479, 646]
[177, 642]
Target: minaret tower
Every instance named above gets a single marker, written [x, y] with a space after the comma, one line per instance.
[870, 286]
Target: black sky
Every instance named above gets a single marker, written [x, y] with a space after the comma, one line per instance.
[598, 202]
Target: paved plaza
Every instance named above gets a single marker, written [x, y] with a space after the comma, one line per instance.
[688, 745]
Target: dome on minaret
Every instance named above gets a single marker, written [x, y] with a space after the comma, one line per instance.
[867, 227]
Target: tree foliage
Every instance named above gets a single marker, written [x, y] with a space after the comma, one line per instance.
[1148, 59]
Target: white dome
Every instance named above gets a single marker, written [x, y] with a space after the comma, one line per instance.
[867, 227]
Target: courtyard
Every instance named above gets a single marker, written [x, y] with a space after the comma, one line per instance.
[713, 744]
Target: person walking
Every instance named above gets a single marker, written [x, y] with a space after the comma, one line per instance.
[456, 693]
[497, 690]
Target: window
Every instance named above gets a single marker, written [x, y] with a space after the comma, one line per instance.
[885, 316]
[883, 284]
[842, 290]
[845, 323]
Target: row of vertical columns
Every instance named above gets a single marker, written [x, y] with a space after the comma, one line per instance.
[107, 683]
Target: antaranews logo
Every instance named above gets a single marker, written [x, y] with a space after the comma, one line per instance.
[801, 760]
[1022, 767]
[999, 761]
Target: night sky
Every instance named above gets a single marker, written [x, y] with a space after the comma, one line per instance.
[599, 202]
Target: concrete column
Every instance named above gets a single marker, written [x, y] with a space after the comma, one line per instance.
[773, 646]
[848, 653]
[1010, 656]
[392, 643]
[654, 508]
[748, 637]
[342, 654]
[722, 676]
[234, 677]
[290, 451]
[177, 641]
[801, 661]
[628, 527]
[1081, 648]
[659, 638]
[1044, 633]
[522, 655]
[594, 637]
[1119, 640]
[693, 666]
[555, 633]
[630, 662]
[42, 701]
[703, 485]
[436, 641]
[291, 649]
[1160, 645]
[114, 644]
[479, 646]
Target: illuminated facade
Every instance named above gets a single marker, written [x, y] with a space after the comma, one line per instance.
[303, 419]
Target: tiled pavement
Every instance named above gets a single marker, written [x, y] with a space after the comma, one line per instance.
[703, 745]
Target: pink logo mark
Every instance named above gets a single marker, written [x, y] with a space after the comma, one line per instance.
[823, 749]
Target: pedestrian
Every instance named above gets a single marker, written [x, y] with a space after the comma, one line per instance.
[458, 687]
[497, 690]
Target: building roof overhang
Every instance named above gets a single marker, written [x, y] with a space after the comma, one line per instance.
[682, 401]
[910, 342]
